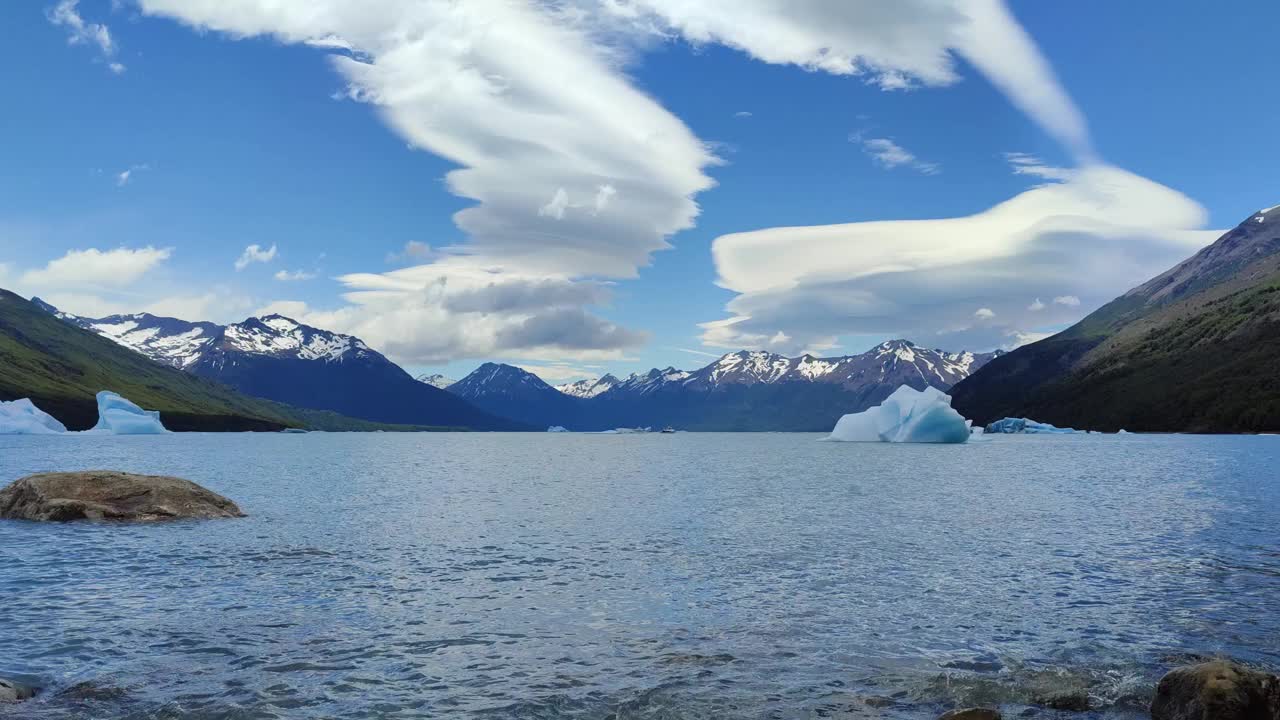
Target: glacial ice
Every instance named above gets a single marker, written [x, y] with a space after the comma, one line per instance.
[22, 417]
[908, 415]
[557, 428]
[118, 416]
[1011, 425]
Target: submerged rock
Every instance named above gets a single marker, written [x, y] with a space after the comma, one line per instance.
[107, 495]
[970, 714]
[1217, 690]
[12, 691]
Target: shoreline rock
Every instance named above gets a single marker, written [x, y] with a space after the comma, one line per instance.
[12, 691]
[1218, 690]
[110, 495]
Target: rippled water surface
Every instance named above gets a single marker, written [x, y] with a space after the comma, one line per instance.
[656, 576]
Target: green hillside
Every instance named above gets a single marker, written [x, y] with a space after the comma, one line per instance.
[61, 368]
[1196, 349]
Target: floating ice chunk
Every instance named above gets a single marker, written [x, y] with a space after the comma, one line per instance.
[908, 415]
[1023, 425]
[22, 417]
[557, 428]
[121, 417]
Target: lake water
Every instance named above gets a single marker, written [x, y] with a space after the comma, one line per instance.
[643, 576]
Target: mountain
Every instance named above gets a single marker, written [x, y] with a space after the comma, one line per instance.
[281, 359]
[588, 388]
[511, 392]
[61, 367]
[1195, 349]
[747, 390]
[436, 381]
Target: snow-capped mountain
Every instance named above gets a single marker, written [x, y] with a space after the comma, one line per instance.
[281, 359]
[747, 390]
[437, 380]
[588, 388]
[896, 361]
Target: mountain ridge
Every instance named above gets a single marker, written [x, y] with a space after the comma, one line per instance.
[278, 358]
[1195, 349]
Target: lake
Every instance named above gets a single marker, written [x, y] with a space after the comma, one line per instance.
[643, 576]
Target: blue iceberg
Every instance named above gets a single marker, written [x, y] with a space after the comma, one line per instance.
[121, 417]
[908, 415]
[22, 417]
[1011, 426]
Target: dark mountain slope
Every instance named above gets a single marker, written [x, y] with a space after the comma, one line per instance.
[279, 359]
[61, 367]
[1195, 349]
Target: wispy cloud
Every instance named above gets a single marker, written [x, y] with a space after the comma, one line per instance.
[66, 15]
[412, 252]
[124, 177]
[1027, 164]
[255, 254]
[96, 268]
[889, 155]
[293, 275]
[742, 114]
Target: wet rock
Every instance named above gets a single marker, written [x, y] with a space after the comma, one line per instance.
[1073, 700]
[108, 495]
[1217, 690]
[971, 714]
[13, 691]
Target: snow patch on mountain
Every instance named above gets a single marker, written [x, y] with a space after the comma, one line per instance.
[436, 380]
[589, 387]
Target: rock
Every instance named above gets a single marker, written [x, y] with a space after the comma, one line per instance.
[107, 495]
[12, 691]
[1073, 700]
[970, 714]
[1217, 690]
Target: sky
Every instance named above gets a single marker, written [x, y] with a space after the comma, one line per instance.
[590, 186]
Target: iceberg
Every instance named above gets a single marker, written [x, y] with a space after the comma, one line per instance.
[908, 415]
[557, 428]
[22, 417]
[121, 417]
[1010, 426]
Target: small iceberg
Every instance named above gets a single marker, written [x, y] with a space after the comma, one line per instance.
[118, 416]
[908, 415]
[1012, 426]
[22, 417]
[557, 428]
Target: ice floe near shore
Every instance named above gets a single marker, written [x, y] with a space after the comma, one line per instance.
[908, 415]
[118, 416]
[22, 417]
[1010, 425]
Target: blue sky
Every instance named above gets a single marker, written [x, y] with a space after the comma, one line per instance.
[586, 130]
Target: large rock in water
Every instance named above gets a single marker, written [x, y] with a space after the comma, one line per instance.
[11, 691]
[1217, 691]
[107, 495]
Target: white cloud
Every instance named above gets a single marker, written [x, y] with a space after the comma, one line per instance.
[894, 45]
[218, 305]
[742, 114]
[1092, 237]
[889, 155]
[555, 373]
[1067, 300]
[528, 138]
[294, 309]
[556, 206]
[412, 252]
[293, 275]
[255, 254]
[125, 176]
[1036, 306]
[95, 268]
[1026, 164]
[604, 194]
[79, 32]
[984, 313]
